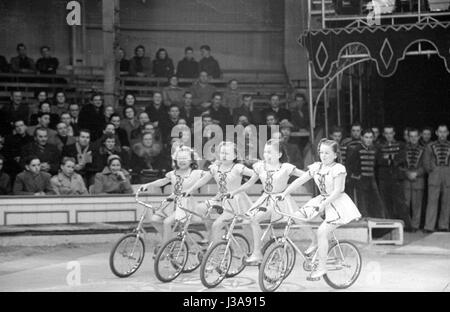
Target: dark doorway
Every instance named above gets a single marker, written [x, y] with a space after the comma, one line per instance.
[418, 94]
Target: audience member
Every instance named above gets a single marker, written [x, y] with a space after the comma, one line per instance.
[337, 134]
[92, 117]
[40, 97]
[425, 136]
[124, 64]
[107, 148]
[43, 121]
[293, 151]
[218, 112]
[67, 181]
[130, 121]
[299, 112]
[162, 64]
[173, 94]
[245, 109]
[22, 63]
[232, 96]
[140, 65]
[32, 181]
[201, 90]
[156, 111]
[187, 111]
[208, 63]
[188, 66]
[47, 153]
[280, 113]
[44, 107]
[109, 129]
[145, 155]
[4, 66]
[113, 179]
[169, 122]
[137, 134]
[59, 103]
[143, 120]
[62, 138]
[47, 64]
[67, 120]
[349, 143]
[108, 112]
[81, 151]
[5, 181]
[121, 133]
[74, 111]
[16, 110]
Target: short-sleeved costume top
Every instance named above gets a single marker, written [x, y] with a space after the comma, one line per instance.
[342, 210]
[274, 181]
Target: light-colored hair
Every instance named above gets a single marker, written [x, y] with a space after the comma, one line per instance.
[334, 146]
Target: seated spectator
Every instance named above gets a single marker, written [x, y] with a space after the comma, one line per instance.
[22, 63]
[61, 139]
[81, 151]
[44, 107]
[14, 111]
[113, 179]
[107, 148]
[92, 117]
[4, 66]
[121, 133]
[108, 112]
[43, 121]
[137, 134]
[201, 90]
[140, 65]
[47, 153]
[32, 181]
[67, 181]
[143, 120]
[218, 113]
[60, 105]
[47, 64]
[157, 110]
[271, 122]
[162, 64]
[208, 63]
[67, 120]
[40, 96]
[169, 122]
[245, 109]
[187, 111]
[293, 151]
[110, 129]
[173, 94]
[145, 155]
[129, 122]
[280, 113]
[299, 112]
[5, 181]
[124, 64]
[129, 99]
[74, 111]
[232, 96]
[188, 66]
[13, 145]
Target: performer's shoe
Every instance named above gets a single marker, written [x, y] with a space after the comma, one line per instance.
[253, 260]
[317, 274]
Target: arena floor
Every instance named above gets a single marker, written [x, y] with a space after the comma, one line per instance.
[422, 264]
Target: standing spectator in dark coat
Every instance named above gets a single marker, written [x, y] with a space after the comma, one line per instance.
[293, 151]
[162, 64]
[47, 64]
[22, 63]
[13, 146]
[157, 110]
[218, 112]
[140, 65]
[92, 117]
[275, 108]
[208, 63]
[47, 153]
[5, 181]
[188, 66]
[32, 181]
[16, 110]
[124, 64]
[4, 66]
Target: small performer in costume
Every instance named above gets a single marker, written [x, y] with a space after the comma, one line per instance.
[228, 174]
[274, 173]
[339, 209]
[183, 177]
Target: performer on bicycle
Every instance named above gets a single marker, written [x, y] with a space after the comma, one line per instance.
[335, 206]
[228, 173]
[183, 177]
[274, 173]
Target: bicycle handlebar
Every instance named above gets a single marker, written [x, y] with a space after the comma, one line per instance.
[278, 210]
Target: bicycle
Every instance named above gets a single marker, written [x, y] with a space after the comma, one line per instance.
[219, 257]
[176, 251]
[128, 253]
[340, 255]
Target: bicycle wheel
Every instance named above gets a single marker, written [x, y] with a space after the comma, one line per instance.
[171, 259]
[127, 255]
[343, 265]
[195, 253]
[215, 264]
[290, 250]
[273, 267]
[240, 253]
